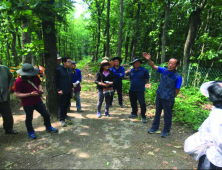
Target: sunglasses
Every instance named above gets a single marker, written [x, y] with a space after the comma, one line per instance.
[106, 64]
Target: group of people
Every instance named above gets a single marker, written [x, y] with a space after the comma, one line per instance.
[109, 79]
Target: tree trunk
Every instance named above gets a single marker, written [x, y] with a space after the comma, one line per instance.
[14, 52]
[50, 59]
[7, 51]
[136, 32]
[120, 30]
[164, 35]
[126, 46]
[107, 26]
[41, 55]
[26, 40]
[194, 21]
[131, 48]
[18, 36]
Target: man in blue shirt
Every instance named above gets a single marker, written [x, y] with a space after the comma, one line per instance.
[77, 78]
[119, 73]
[168, 89]
[139, 76]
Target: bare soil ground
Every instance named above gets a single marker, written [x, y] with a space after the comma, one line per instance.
[115, 142]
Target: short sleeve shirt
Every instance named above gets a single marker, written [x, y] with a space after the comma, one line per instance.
[178, 80]
[25, 87]
[138, 79]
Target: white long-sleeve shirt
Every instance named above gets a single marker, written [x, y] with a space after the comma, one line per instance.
[211, 131]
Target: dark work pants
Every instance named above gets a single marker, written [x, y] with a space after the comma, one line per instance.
[100, 101]
[134, 96]
[167, 106]
[118, 85]
[64, 103]
[204, 163]
[40, 107]
[6, 115]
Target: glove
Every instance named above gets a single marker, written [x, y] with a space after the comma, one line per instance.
[74, 85]
[77, 82]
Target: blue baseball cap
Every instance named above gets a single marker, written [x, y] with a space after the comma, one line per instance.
[72, 62]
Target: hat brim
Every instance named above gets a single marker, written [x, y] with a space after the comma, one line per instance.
[33, 73]
[204, 88]
[117, 58]
[135, 61]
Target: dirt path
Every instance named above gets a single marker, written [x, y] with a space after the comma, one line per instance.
[94, 143]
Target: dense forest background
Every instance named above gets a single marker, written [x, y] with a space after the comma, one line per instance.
[38, 31]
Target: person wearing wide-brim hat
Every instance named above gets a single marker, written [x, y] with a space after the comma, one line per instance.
[139, 76]
[210, 132]
[119, 73]
[104, 80]
[28, 87]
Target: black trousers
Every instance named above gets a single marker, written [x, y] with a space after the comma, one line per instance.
[167, 106]
[118, 86]
[64, 103]
[134, 96]
[6, 115]
[204, 163]
[40, 107]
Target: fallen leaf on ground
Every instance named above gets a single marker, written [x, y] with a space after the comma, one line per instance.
[178, 147]
[175, 168]
[169, 144]
[165, 162]
[111, 128]
[174, 151]
[107, 163]
[158, 132]
[151, 153]
[150, 146]
[157, 149]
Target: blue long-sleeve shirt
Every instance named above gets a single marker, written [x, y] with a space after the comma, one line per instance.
[117, 72]
[77, 76]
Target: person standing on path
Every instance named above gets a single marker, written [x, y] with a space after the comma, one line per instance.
[76, 78]
[6, 83]
[168, 89]
[104, 80]
[64, 85]
[119, 73]
[28, 87]
[139, 76]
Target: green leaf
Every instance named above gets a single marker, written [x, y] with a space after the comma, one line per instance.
[107, 163]
[28, 12]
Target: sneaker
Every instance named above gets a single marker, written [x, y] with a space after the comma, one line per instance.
[79, 110]
[107, 114]
[152, 130]
[144, 120]
[121, 105]
[32, 135]
[132, 116]
[99, 114]
[164, 134]
[68, 118]
[51, 129]
[63, 123]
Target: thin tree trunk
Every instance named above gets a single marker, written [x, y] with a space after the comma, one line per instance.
[8, 53]
[50, 59]
[194, 21]
[120, 30]
[164, 36]
[18, 37]
[41, 55]
[107, 26]
[14, 52]
[126, 47]
[136, 32]
[26, 39]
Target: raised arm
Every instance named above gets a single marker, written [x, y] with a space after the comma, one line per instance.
[148, 58]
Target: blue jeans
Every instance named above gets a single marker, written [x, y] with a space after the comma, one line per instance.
[40, 107]
[78, 101]
[167, 106]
